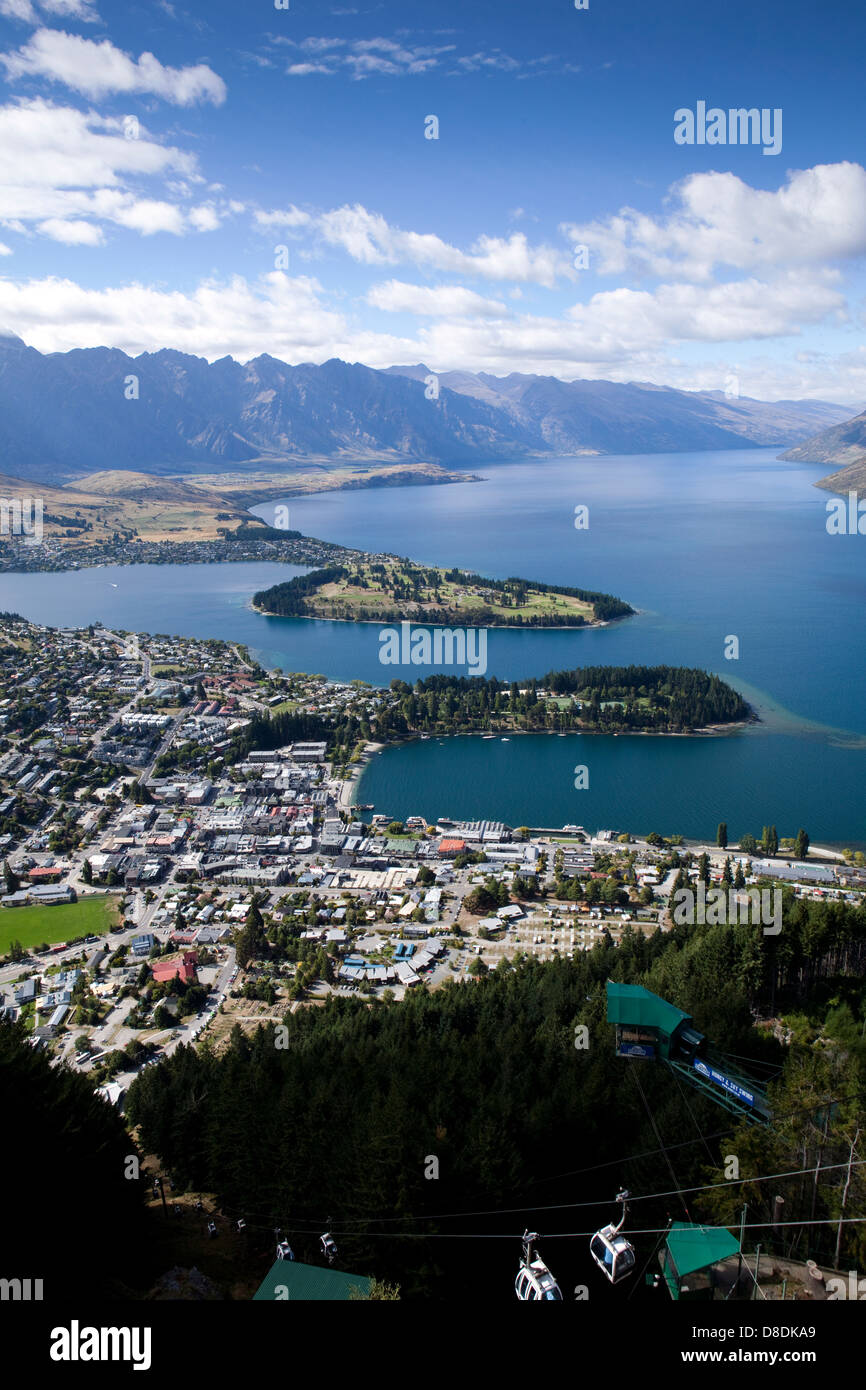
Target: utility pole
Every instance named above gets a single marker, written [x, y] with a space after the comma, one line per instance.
[845, 1199]
[742, 1233]
[819, 1160]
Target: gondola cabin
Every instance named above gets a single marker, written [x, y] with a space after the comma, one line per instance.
[612, 1253]
[534, 1280]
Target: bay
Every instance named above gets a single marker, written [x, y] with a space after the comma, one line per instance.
[707, 546]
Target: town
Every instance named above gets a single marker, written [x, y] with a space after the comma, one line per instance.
[166, 882]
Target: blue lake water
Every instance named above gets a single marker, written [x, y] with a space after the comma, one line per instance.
[706, 546]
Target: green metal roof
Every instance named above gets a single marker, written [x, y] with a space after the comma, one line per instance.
[696, 1247]
[632, 1004]
[297, 1282]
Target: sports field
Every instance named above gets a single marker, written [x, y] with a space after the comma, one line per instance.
[33, 925]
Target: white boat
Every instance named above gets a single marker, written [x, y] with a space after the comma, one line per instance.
[505, 740]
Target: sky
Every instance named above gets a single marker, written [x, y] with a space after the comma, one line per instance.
[237, 178]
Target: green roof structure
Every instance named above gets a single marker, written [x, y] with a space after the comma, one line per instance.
[632, 1004]
[691, 1249]
[288, 1281]
[695, 1247]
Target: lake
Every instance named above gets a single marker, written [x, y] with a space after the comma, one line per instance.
[707, 546]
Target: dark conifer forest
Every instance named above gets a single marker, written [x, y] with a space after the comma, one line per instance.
[334, 1124]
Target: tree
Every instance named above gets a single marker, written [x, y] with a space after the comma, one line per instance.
[704, 868]
[722, 835]
[769, 840]
[739, 877]
[13, 883]
[801, 844]
[749, 845]
[87, 872]
[379, 1291]
[727, 877]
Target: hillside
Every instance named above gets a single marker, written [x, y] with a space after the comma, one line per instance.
[103, 505]
[171, 413]
[843, 445]
[850, 479]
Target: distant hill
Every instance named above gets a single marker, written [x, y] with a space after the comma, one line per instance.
[141, 487]
[850, 479]
[843, 445]
[604, 417]
[65, 416]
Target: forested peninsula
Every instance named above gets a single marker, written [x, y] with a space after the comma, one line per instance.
[593, 699]
[383, 588]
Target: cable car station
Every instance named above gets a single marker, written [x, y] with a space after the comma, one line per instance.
[649, 1028]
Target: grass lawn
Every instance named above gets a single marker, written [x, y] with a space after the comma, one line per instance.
[33, 925]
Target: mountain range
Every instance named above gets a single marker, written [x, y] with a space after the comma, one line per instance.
[66, 415]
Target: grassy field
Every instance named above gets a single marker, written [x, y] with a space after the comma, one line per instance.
[153, 508]
[33, 925]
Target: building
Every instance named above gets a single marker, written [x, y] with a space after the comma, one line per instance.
[52, 893]
[180, 966]
[308, 752]
[449, 849]
[142, 945]
[289, 1281]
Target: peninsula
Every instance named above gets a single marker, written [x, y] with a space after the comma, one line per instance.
[387, 589]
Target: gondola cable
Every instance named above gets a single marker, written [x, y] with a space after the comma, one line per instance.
[661, 1142]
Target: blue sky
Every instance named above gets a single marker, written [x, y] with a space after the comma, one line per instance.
[237, 178]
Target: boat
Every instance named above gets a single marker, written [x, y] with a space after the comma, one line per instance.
[505, 740]
[488, 735]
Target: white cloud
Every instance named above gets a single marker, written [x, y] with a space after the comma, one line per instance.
[305, 69]
[71, 233]
[204, 218]
[444, 301]
[288, 217]
[18, 9]
[369, 239]
[98, 69]
[622, 335]
[4, 249]
[61, 167]
[25, 10]
[817, 216]
[279, 315]
[82, 10]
